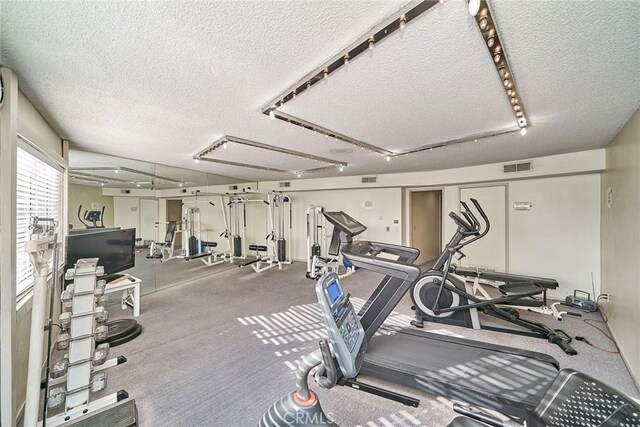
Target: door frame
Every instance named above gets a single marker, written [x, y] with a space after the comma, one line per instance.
[407, 235]
[506, 212]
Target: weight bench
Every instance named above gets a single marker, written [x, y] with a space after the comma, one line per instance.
[205, 245]
[574, 399]
[514, 284]
[257, 262]
[209, 257]
[165, 248]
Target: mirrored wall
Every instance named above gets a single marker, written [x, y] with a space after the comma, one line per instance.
[173, 214]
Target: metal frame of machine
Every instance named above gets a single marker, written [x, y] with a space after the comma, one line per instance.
[278, 238]
[319, 260]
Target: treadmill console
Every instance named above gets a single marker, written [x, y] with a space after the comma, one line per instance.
[344, 228]
[343, 326]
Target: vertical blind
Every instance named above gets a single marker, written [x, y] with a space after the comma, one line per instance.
[38, 193]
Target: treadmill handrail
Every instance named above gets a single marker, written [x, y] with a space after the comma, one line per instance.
[362, 247]
[364, 254]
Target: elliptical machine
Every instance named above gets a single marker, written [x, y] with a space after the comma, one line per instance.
[439, 296]
[96, 218]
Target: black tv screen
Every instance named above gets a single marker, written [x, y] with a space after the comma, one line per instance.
[115, 249]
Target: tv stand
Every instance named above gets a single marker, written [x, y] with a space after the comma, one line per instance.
[112, 277]
[130, 288]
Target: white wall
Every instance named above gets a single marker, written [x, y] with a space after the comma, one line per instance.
[560, 236]
[126, 213]
[387, 208]
[621, 241]
[561, 164]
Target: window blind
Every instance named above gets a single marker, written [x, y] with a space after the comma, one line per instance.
[38, 193]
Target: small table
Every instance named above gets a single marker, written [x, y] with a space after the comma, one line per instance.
[130, 287]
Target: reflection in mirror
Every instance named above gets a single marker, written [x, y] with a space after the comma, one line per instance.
[176, 213]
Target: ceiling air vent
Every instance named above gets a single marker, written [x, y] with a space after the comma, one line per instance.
[285, 184]
[517, 167]
[233, 187]
[125, 191]
[369, 179]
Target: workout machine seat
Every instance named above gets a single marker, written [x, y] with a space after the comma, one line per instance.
[574, 399]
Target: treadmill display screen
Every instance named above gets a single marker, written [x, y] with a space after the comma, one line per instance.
[345, 222]
[334, 292]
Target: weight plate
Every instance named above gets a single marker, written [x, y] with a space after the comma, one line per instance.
[126, 338]
[120, 328]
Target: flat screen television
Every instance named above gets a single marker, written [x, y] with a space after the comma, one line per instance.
[115, 249]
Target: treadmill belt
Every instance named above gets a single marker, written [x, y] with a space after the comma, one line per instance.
[508, 380]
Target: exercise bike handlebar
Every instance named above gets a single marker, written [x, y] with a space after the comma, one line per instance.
[483, 215]
[462, 223]
[468, 213]
[479, 232]
[80, 218]
[468, 217]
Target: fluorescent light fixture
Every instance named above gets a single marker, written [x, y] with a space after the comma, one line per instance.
[225, 140]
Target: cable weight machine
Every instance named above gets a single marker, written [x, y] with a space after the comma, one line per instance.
[277, 250]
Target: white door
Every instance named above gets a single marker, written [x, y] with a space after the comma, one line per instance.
[148, 218]
[491, 251]
[126, 213]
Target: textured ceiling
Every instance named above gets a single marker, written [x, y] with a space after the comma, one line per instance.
[161, 81]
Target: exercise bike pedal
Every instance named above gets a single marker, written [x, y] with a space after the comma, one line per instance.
[418, 322]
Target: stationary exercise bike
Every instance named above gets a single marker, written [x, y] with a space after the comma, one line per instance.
[96, 218]
[439, 296]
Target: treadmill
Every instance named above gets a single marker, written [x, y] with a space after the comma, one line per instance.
[508, 380]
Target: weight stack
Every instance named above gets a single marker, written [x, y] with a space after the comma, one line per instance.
[193, 246]
[237, 246]
[281, 244]
[315, 250]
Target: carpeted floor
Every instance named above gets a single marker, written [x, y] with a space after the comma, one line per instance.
[156, 275]
[212, 355]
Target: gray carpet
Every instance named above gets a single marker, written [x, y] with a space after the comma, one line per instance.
[156, 275]
[204, 358]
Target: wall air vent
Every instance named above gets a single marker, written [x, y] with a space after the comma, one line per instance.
[369, 179]
[517, 167]
[125, 191]
[285, 184]
[233, 187]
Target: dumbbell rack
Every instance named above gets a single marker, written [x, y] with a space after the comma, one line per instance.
[81, 371]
